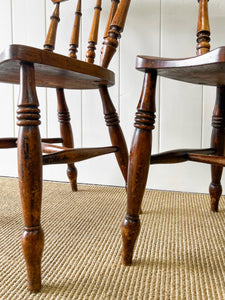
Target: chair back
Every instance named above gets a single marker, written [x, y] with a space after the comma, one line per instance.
[203, 29]
[113, 29]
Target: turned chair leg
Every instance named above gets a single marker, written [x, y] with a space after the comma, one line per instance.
[30, 175]
[115, 132]
[217, 142]
[139, 162]
[66, 134]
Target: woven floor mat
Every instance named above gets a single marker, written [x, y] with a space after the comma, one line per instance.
[180, 252]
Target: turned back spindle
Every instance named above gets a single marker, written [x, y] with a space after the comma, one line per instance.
[203, 29]
[114, 27]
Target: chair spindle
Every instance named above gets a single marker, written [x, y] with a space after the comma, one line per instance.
[93, 37]
[51, 36]
[74, 43]
[203, 29]
[113, 9]
[117, 25]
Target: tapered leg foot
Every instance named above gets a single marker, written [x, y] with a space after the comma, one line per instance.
[130, 229]
[30, 175]
[72, 175]
[140, 157]
[215, 191]
[33, 244]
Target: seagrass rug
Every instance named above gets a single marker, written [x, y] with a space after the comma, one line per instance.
[180, 252]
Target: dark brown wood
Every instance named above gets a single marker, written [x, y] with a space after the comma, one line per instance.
[178, 156]
[8, 143]
[207, 69]
[53, 70]
[66, 134]
[31, 67]
[30, 175]
[75, 155]
[115, 132]
[12, 142]
[76, 32]
[207, 159]
[93, 37]
[52, 140]
[49, 148]
[139, 165]
[217, 142]
[203, 30]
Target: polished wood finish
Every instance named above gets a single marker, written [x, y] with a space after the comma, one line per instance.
[93, 37]
[113, 9]
[217, 142]
[31, 67]
[30, 175]
[178, 156]
[66, 134]
[76, 32]
[117, 25]
[115, 131]
[53, 70]
[140, 156]
[12, 142]
[208, 69]
[205, 68]
[76, 155]
[203, 30]
[51, 36]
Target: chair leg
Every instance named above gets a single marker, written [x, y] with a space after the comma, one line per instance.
[66, 134]
[139, 165]
[217, 142]
[115, 131]
[30, 175]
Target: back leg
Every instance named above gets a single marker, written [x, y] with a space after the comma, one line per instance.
[115, 131]
[217, 142]
[66, 134]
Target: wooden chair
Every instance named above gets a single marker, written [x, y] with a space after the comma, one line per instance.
[31, 67]
[207, 68]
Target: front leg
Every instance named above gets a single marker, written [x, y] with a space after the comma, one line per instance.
[30, 175]
[139, 162]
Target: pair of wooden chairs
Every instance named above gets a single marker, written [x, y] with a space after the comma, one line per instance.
[31, 67]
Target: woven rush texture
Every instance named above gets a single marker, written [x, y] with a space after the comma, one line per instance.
[180, 252]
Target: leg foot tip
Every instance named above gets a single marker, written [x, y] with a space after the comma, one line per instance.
[214, 207]
[126, 261]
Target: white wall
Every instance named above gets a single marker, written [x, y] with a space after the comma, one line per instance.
[154, 27]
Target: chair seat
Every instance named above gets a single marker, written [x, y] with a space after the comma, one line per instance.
[52, 70]
[207, 69]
